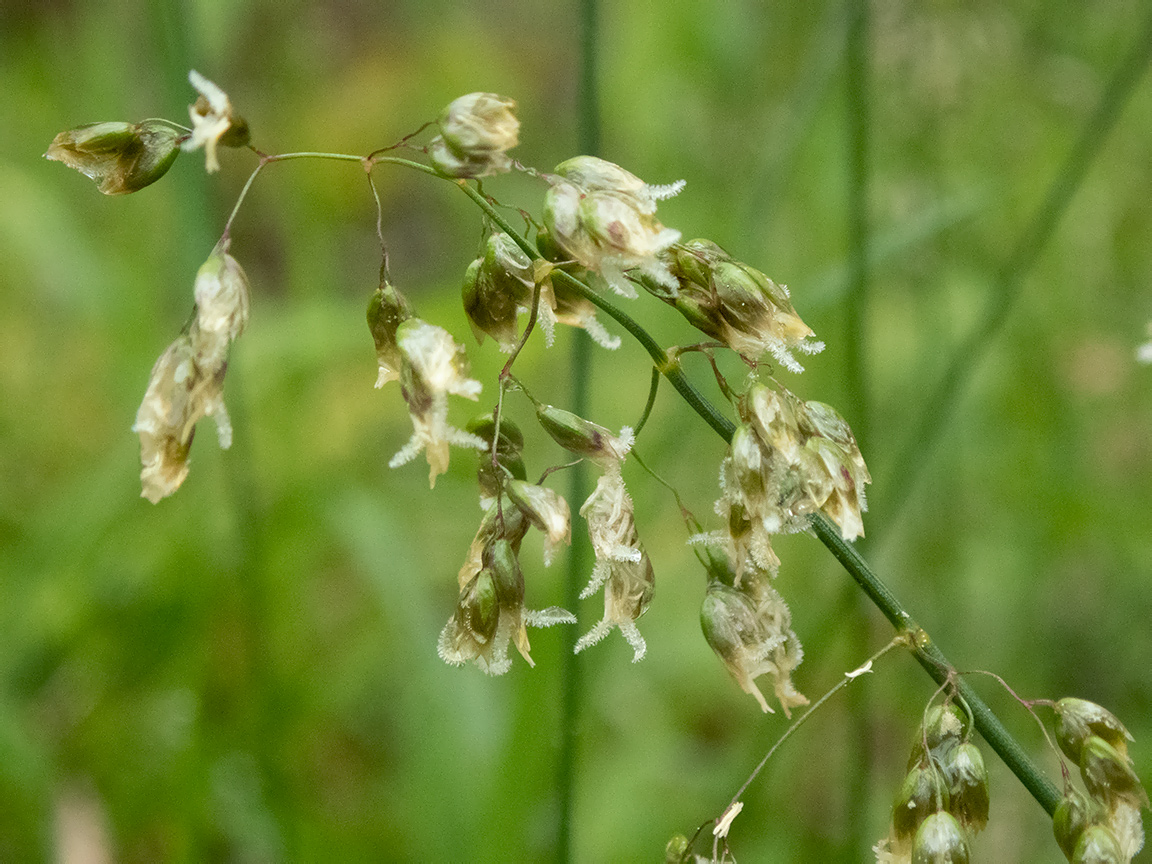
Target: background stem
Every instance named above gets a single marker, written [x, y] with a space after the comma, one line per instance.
[579, 364]
[937, 410]
[856, 303]
[858, 633]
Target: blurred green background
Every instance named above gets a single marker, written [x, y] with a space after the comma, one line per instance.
[247, 671]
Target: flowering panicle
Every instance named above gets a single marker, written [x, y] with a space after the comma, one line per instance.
[944, 797]
[789, 464]
[213, 122]
[605, 218]
[748, 625]
[1105, 825]
[432, 366]
[187, 381]
[475, 132]
[735, 304]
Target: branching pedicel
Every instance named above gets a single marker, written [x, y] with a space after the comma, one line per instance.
[792, 465]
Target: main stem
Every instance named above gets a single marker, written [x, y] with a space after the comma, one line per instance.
[936, 664]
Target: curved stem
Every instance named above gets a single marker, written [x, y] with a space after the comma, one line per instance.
[379, 226]
[240, 199]
[265, 159]
[312, 154]
[652, 388]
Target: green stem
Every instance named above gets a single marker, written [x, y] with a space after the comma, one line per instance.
[936, 664]
[857, 301]
[241, 197]
[313, 154]
[580, 361]
[858, 633]
[652, 388]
